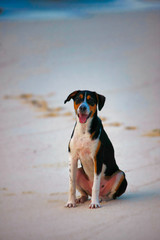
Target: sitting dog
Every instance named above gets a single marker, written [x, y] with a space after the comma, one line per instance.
[99, 176]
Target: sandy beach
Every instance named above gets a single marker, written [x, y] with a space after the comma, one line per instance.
[116, 54]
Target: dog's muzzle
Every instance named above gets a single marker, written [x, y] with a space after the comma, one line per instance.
[83, 113]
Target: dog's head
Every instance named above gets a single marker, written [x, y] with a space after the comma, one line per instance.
[85, 103]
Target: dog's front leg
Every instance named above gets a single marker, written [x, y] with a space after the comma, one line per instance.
[72, 182]
[95, 192]
[95, 189]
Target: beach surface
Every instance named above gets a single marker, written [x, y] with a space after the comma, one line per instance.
[115, 53]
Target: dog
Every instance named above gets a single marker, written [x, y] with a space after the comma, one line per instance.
[99, 176]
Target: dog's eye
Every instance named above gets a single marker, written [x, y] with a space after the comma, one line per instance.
[91, 101]
[78, 100]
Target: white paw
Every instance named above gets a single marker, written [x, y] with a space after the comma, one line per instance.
[70, 205]
[94, 205]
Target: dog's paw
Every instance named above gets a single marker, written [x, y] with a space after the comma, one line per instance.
[94, 205]
[70, 205]
[81, 199]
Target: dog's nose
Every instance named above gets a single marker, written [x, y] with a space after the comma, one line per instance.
[82, 108]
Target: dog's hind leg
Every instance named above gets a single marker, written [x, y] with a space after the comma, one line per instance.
[84, 186]
[121, 189]
[113, 186]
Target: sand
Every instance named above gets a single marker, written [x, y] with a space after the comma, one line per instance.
[116, 54]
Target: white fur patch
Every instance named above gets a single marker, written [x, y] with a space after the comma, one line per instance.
[83, 148]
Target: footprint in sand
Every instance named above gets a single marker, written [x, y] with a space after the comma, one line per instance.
[113, 124]
[58, 193]
[28, 193]
[3, 189]
[131, 128]
[40, 104]
[10, 194]
[153, 133]
[103, 119]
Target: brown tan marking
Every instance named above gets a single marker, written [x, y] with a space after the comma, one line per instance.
[92, 135]
[93, 109]
[81, 96]
[76, 106]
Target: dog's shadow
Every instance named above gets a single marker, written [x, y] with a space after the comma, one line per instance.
[141, 195]
[138, 196]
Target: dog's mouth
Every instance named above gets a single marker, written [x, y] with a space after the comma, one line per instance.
[83, 117]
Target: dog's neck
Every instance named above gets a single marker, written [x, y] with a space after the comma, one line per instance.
[88, 126]
[83, 128]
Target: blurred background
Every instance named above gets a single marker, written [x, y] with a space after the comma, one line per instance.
[47, 50]
[40, 9]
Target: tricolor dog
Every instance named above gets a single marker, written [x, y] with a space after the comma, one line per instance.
[99, 176]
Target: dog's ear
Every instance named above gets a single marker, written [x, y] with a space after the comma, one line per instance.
[101, 100]
[72, 95]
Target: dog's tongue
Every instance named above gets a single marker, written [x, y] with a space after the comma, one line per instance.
[83, 118]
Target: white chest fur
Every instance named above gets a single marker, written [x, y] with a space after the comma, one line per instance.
[84, 148]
